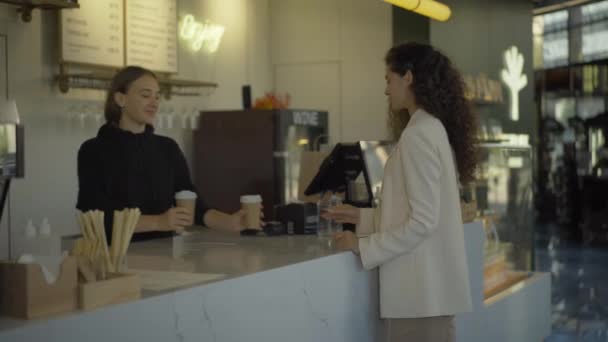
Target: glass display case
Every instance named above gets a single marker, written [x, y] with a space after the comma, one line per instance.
[503, 195]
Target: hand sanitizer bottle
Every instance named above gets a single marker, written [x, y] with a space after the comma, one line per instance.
[27, 240]
[45, 228]
[30, 231]
[50, 245]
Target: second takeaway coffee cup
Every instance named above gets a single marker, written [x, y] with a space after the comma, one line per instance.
[186, 199]
[252, 205]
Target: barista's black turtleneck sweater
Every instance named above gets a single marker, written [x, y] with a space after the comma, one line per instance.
[119, 169]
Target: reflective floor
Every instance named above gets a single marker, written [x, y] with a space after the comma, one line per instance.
[579, 286]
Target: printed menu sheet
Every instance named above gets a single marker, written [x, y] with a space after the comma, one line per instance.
[151, 34]
[94, 33]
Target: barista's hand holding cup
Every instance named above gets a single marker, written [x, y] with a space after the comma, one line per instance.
[187, 200]
[251, 205]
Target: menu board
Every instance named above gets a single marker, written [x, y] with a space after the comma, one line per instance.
[151, 33]
[94, 33]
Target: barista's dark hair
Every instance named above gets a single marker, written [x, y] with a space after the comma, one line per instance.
[120, 84]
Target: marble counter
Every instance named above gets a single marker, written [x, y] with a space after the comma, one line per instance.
[287, 288]
[259, 289]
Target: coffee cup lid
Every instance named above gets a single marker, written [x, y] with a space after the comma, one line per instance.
[251, 199]
[185, 195]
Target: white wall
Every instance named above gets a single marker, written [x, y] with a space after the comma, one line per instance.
[243, 57]
[328, 53]
[325, 47]
[53, 136]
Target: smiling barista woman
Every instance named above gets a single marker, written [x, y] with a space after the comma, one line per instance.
[128, 166]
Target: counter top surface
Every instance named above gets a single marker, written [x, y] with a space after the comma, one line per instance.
[204, 256]
[224, 256]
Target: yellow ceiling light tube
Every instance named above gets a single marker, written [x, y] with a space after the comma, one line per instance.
[430, 8]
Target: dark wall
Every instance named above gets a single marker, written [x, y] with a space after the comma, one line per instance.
[475, 38]
[410, 27]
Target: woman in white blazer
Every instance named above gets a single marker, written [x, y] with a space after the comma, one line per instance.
[415, 236]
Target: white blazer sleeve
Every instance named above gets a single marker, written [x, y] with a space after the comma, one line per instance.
[422, 169]
[367, 224]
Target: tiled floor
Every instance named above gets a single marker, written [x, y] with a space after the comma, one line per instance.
[579, 287]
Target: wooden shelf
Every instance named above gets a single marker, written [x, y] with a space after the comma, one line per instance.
[511, 279]
[101, 80]
[26, 6]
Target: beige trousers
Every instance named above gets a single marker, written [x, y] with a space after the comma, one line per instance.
[429, 329]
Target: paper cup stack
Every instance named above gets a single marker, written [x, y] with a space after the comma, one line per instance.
[186, 199]
[252, 205]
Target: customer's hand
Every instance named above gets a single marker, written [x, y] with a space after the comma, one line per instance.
[175, 219]
[346, 241]
[343, 213]
[237, 222]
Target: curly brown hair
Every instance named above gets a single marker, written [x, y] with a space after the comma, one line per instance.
[439, 89]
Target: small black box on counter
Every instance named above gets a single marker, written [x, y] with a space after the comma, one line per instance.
[298, 218]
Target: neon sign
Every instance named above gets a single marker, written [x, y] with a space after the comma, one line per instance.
[513, 77]
[206, 35]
